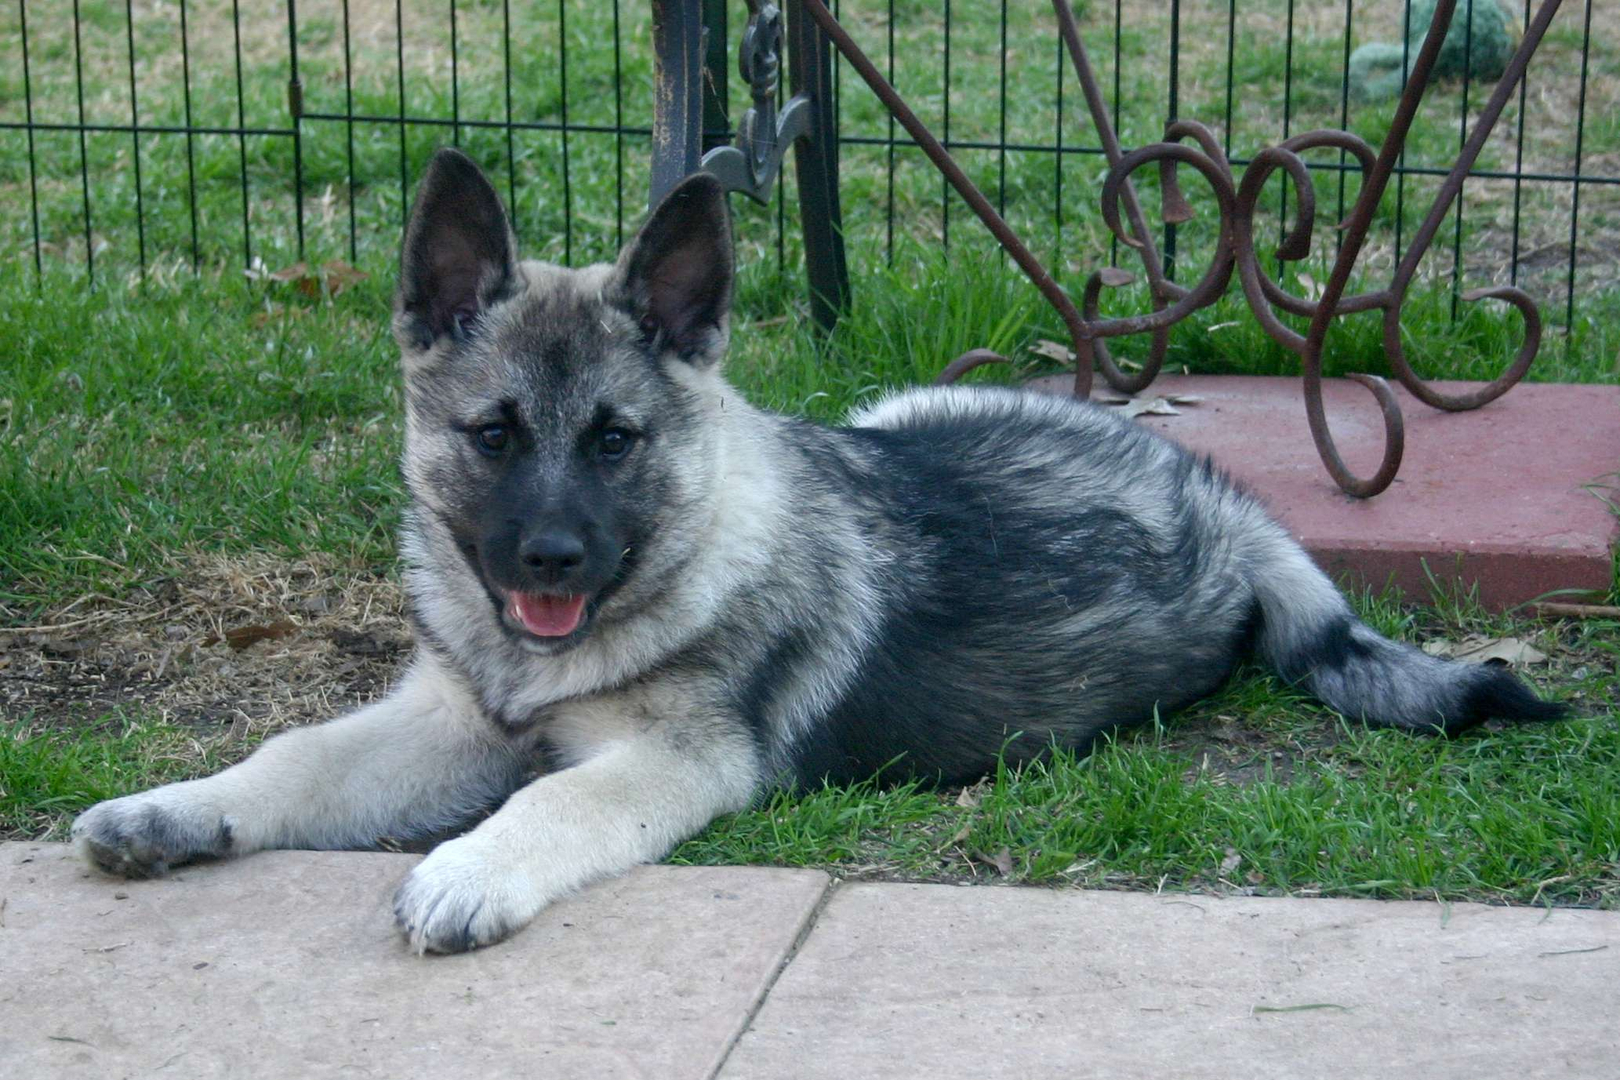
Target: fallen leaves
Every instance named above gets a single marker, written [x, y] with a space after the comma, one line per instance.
[241, 637]
[341, 277]
[334, 276]
[1000, 860]
[1053, 350]
[1478, 649]
[1056, 350]
[1162, 405]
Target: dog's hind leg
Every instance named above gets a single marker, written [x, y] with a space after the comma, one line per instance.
[413, 764]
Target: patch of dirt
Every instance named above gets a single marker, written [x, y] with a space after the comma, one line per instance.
[222, 644]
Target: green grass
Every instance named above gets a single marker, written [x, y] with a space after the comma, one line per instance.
[1512, 816]
[49, 774]
[150, 418]
[136, 425]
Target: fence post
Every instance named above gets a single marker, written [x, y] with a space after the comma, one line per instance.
[716, 68]
[295, 110]
[677, 93]
[815, 156]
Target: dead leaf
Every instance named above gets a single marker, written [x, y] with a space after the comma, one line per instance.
[300, 277]
[1150, 407]
[1230, 863]
[1053, 350]
[290, 273]
[1313, 288]
[1161, 405]
[340, 276]
[1478, 649]
[968, 797]
[243, 636]
[1174, 399]
[1001, 860]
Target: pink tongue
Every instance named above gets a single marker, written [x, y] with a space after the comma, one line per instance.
[548, 616]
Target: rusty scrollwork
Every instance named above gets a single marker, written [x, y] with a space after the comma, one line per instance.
[1190, 144]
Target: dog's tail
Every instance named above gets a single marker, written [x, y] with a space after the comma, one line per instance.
[1309, 635]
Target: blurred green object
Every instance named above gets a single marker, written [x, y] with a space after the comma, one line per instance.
[1482, 52]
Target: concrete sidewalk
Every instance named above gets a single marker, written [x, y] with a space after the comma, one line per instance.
[286, 965]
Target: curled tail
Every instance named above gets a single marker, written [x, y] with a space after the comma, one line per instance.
[1309, 635]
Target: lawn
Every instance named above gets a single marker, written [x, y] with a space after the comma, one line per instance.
[198, 478]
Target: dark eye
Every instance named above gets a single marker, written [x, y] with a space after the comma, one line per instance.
[491, 439]
[614, 444]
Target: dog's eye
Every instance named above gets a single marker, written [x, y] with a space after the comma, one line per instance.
[491, 439]
[615, 443]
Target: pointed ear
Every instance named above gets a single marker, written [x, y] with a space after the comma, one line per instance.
[676, 274]
[458, 257]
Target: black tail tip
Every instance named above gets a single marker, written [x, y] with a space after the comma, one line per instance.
[1498, 694]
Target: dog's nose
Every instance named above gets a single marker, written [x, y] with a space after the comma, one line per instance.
[553, 552]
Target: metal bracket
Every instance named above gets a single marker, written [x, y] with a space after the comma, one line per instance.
[764, 134]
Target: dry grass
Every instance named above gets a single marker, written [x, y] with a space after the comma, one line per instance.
[236, 647]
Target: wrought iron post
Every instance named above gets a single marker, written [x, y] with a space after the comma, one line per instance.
[677, 94]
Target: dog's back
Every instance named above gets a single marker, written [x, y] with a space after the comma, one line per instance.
[1039, 570]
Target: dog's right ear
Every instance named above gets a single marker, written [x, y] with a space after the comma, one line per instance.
[459, 256]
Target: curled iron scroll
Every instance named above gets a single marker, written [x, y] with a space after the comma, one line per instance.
[1235, 247]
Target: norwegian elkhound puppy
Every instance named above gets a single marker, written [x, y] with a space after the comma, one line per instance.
[674, 601]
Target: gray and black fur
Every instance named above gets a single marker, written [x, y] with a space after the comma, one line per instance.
[959, 574]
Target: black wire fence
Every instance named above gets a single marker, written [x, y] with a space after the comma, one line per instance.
[186, 135]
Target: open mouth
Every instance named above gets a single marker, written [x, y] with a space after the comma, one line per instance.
[548, 618]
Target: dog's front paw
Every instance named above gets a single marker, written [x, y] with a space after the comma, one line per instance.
[141, 836]
[463, 896]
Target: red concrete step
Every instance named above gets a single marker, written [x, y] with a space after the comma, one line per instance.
[1510, 496]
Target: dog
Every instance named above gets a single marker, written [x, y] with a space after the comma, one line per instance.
[675, 602]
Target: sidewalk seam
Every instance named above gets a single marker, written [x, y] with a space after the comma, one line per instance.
[811, 921]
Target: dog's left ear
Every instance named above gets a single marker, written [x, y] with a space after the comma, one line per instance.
[676, 274]
[459, 256]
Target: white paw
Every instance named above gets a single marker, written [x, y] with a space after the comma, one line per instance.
[463, 896]
[143, 835]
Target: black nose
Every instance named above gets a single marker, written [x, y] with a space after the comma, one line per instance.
[553, 552]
